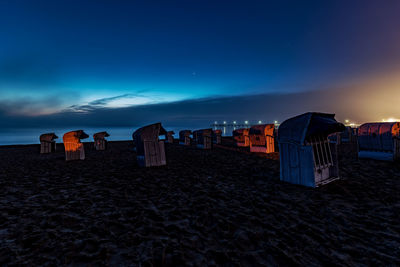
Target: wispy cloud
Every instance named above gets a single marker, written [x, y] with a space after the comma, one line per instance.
[105, 101]
[142, 97]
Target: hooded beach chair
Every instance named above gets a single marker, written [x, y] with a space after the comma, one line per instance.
[203, 138]
[217, 136]
[170, 137]
[184, 137]
[48, 143]
[380, 140]
[241, 137]
[262, 138]
[306, 155]
[74, 149]
[149, 148]
[100, 143]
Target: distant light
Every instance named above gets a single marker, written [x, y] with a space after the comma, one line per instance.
[215, 122]
[224, 122]
[234, 122]
[391, 120]
[246, 122]
[346, 121]
[259, 122]
[276, 122]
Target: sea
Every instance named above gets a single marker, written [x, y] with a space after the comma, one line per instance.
[24, 136]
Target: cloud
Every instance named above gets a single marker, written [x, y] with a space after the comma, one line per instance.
[141, 97]
[105, 101]
[372, 100]
[102, 102]
[193, 113]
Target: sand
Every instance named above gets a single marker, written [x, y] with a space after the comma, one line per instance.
[219, 207]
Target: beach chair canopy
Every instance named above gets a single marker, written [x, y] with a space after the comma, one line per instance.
[218, 132]
[204, 132]
[185, 133]
[48, 137]
[149, 133]
[100, 135]
[74, 136]
[378, 136]
[298, 129]
[262, 129]
[241, 131]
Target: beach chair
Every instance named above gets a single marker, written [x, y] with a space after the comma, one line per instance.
[149, 148]
[379, 141]
[170, 137]
[100, 143]
[48, 143]
[262, 138]
[184, 137]
[74, 149]
[203, 138]
[241, 137]
[306, 156]
[217, 136]
[348, 136]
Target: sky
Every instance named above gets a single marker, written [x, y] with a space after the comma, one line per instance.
[121, 63]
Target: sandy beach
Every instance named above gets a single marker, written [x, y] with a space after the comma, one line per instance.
[217, 207]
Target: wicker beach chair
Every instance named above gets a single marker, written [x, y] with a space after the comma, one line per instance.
[149, 148]
[48, 143]
[170, 137]
[262, 138]
[306, 155]
[74, 149]
[100, 143]
[203, 138]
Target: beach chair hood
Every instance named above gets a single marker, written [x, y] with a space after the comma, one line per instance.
[241, 131]
[262, 129]
[100, 135]
[185, 133]
[204, 132]
[48, 137]
[298, 129]
[75, 136]
[149, 132]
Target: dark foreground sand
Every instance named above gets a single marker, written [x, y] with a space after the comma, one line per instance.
[215, 207]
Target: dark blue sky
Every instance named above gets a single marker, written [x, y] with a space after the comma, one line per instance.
[81, 56]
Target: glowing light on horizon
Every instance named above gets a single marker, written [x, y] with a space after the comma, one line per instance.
[390, 120]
